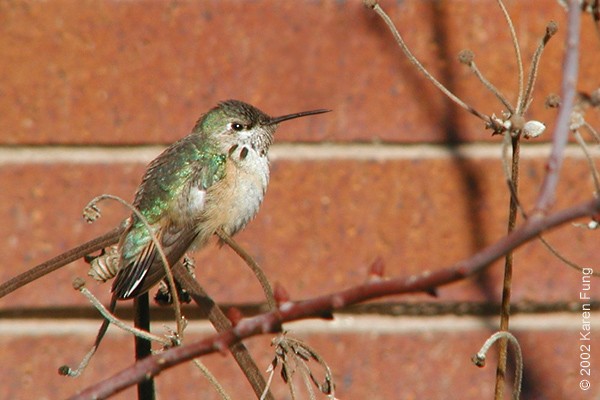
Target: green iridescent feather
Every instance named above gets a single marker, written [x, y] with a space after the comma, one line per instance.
[189, 159]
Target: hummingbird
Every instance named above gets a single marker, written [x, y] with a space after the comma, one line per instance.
[213, 179]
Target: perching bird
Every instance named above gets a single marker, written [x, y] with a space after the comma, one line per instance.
[214, 178]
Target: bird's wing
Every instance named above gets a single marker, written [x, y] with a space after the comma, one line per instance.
[147, 269]
[180, 168]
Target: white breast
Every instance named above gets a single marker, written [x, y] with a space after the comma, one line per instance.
[235, 200]
[249, 185]
[196, 200]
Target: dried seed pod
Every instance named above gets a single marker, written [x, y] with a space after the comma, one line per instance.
[533, 129]
[552, 101]
[105, 266]
[466, 56]
[91, 213]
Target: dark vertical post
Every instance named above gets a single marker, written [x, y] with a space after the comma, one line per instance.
[143, 347]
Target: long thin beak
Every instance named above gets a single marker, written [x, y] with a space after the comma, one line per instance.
[277, 120]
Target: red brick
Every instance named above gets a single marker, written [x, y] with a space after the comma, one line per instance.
[143, 71]
[423, 363]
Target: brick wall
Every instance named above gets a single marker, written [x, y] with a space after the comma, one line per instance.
[91, 91]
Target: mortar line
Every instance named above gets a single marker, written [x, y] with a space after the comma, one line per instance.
[341, 325]
[18, 155]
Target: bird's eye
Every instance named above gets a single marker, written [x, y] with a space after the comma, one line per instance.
[236, 126]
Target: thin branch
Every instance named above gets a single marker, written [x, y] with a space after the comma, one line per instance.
[562, 258]
[222, 324]
[92, 212]
[515, 43]
[495, 91]
[418, 65]
[592, 131]
[468, 58]
[522, 106]
[547, 193]
[508, 268]
[258, 272]
[61, 260]
[590, 162]
[286, 312]
[79, 284]
[504, 336]
[212, 379]
[507, 168]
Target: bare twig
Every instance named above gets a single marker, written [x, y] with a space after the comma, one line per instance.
[562, 258]
[508, 268]
[525, 99]
[490, 86]
[260, 275]
[222, 324]
[212, 379]
[61, 260]
[515, 42]
[93, 205]
[375, 6]
[79, 284]
[590, 162]
[592, 131]
[479, 358]
[547, 192]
